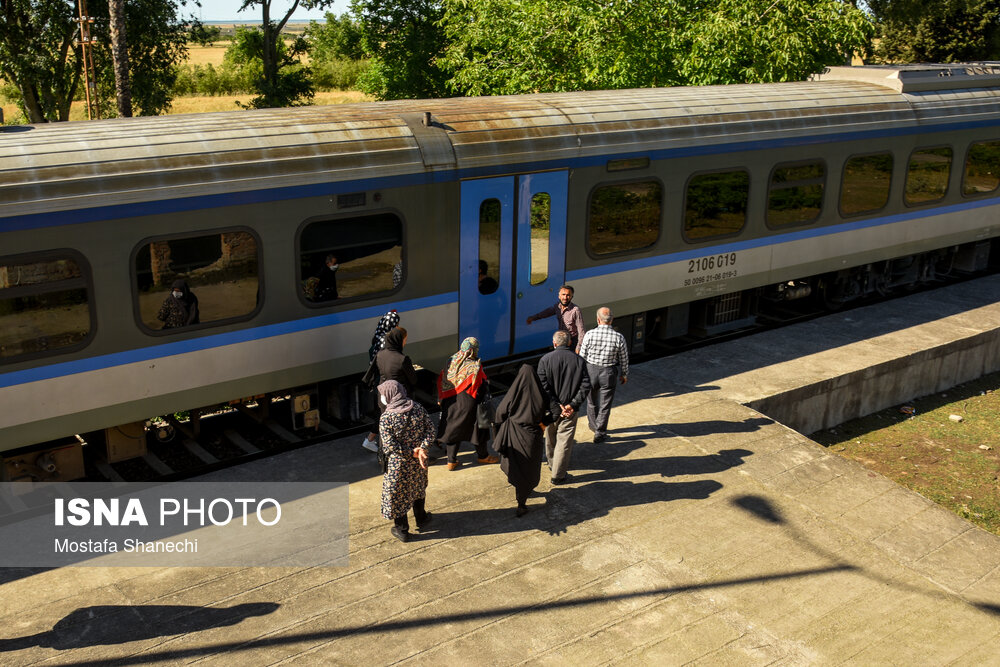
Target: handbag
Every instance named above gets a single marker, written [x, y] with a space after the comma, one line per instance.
[371, 377]
[383, 458]
[486, 413]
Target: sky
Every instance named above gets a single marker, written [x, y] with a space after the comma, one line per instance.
[226, 10]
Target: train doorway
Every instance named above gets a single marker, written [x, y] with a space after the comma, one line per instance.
[513, 259]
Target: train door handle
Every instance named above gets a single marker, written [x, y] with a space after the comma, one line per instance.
[520, 295]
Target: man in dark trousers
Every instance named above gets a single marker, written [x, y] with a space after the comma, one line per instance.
[606, 355]
[564, 378]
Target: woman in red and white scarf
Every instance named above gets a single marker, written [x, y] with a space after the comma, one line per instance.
[461, 387]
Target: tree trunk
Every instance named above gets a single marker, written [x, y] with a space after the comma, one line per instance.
[119, 53]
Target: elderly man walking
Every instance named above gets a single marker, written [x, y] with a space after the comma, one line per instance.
[566, 384]
[606, 355]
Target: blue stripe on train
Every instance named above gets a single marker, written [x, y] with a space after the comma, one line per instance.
[217, 340]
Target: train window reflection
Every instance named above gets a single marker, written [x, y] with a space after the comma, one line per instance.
[349, 258]
[795, 196]
[982, 168]
[192, 280]
[541, 210]
[625, 216]
[927, 175]
[715, 204]
[866, 182]
[489, 246]
[44, 306]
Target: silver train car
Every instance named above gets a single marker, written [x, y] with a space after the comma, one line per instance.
[681, 208]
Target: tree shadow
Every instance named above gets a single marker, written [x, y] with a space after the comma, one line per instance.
[119, 624]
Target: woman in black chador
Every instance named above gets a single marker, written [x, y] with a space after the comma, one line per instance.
[523, 414]
[180, 309]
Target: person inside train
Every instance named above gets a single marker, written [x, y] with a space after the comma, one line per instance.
[180, 308]
[461, 388]
[487, 285]
[407, 433]
[326, 288]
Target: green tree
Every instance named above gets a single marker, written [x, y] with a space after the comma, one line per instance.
[283, 81]
[338, 38]
[38, 54]
[290, 85]
[403, 40]
[204, 35]
[941, 31]
[755, 41]
[512, 46]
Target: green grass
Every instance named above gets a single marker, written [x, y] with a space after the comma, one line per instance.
[944, 460]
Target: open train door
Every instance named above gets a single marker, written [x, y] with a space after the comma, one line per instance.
[517, 226]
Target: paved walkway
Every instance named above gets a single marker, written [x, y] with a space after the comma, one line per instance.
[702, 533]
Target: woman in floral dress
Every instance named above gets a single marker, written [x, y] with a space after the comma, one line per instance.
[406, 432]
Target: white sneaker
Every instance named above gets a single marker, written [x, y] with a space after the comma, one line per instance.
[370, 445]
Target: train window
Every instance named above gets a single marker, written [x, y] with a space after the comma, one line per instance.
[927, 175]
[348, 258]
[715, 204]
[795, 196]
[189, 280]
[982, 168]
[44, 305]
[541, 210]
[625, 216]
[489, 246]
[865, 186]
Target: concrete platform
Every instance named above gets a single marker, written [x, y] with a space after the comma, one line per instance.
[704, 532]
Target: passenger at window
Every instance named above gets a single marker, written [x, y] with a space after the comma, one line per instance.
[568, 317]
[180, 309]
[486, 284]
[326, 288]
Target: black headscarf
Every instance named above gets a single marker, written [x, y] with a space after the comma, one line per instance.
[188, 302]
[394, 340]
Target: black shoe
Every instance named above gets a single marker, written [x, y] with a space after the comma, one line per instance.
[424, 521]
[521, 511]
[599, 437]
[400, 534]
[560, 480]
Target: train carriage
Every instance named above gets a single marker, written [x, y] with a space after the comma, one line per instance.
[681, 208]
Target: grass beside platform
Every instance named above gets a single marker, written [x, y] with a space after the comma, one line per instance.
[955, 463]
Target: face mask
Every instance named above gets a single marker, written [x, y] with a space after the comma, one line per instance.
[333, 267]
[384, 402]
[177, 294]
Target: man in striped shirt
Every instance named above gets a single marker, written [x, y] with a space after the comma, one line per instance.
[606, 354]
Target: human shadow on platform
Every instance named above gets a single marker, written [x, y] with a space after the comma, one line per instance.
[563, 507]
[119, 624]
[666, 466]
[716, 426]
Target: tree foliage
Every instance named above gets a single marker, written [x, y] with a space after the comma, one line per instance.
[204, 35]
[337, 38]
[403, 40]
[290, 85]
[942, 31]
[38, 55]
[284, 81]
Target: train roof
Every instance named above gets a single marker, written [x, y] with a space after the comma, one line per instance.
[67, 166]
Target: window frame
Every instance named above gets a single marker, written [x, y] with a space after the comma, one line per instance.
[770, 188]
[843, 174]
[631, 251]
[683, 216]
[982, 195]
[947, 185]
[134, 283]
[86, 278]
[350, 216]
